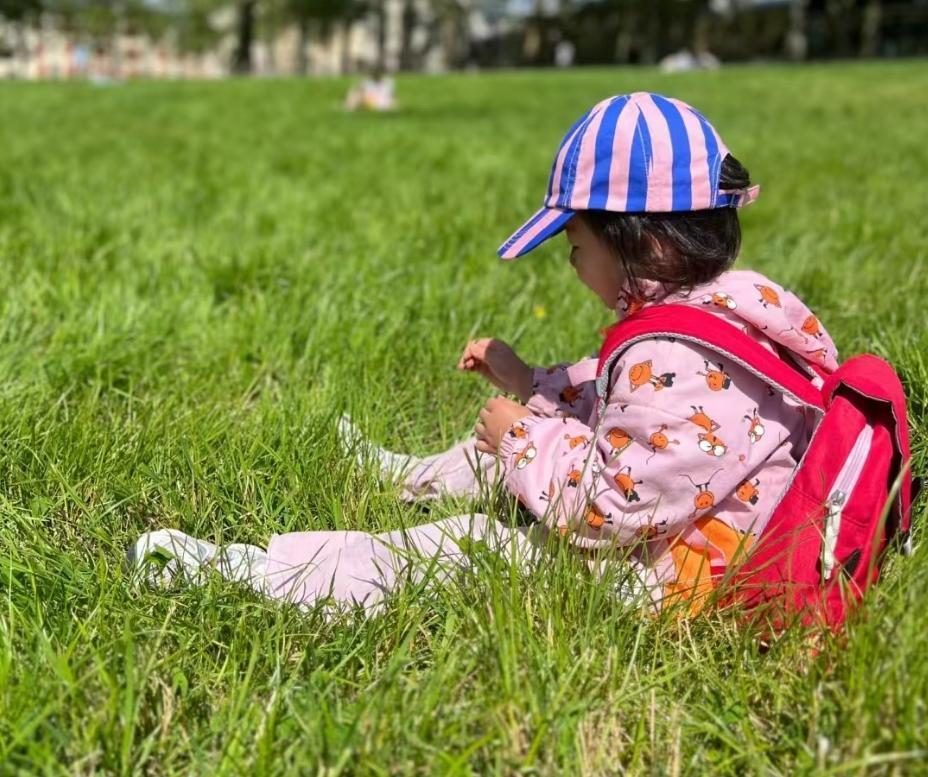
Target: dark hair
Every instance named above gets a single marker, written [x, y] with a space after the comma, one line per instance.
[696, 246]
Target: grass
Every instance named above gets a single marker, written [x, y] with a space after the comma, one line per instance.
[199, 278]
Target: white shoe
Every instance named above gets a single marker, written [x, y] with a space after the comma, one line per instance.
[160, 555]
[393, 466]
[244, 564]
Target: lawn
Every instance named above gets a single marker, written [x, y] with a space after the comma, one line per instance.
[199, 278]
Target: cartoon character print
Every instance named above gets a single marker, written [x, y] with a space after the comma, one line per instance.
[709, 443]
[618, 439]
[518, 431]
[629, 304]
[768, 295]
[658, 441]
[626, 484]
[712, 445]
[756, 430]
[721, 300]
[581, 441]
[704, 499]
[818, 355]
[526, 456]
[651, 531]
[748, 492]
[701, 419]
[716, 380]
[641, 374]
[574, 477]
[547, 496]
[793, 329]
[812, 327]
[596, 519]
[570, 395]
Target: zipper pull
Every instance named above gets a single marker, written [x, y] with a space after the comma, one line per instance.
[835, 507]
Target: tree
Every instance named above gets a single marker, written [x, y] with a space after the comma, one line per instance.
[353, 11]
[452, 18]
[323, 16]
[797, 44]
[380, 10]
[870, 29]
[147, 19]
[244, 36]
[409, 18]
[193, 25]
[20, 14]
[19, 11]
[839, 14]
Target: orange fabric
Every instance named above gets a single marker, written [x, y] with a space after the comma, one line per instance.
[693, 580]
[730, 542]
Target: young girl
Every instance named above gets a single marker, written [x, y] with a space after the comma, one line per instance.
[684, 462]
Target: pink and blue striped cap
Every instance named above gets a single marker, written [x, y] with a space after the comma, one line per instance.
[633, 153]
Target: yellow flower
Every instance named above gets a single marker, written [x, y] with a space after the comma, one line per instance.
[539, 311]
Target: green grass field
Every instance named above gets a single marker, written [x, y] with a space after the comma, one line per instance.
[199, 278]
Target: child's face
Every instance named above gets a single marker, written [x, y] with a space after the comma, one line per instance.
[593, 262]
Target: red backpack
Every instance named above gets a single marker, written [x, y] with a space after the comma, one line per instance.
[851, 493]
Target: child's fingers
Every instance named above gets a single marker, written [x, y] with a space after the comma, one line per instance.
[477, 349]
[470, 357]
[485, 447]
[483, 443]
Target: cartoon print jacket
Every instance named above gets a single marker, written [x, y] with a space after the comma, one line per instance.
[690, 455]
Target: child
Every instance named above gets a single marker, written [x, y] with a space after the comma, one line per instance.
[686, 460]
[374, 93]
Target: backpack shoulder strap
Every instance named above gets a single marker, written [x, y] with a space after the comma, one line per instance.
[699, 327]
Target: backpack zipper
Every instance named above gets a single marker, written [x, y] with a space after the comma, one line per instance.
[840, 494]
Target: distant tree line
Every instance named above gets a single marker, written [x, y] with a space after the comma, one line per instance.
[521, 33]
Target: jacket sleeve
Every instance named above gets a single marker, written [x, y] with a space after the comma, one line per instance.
[672, 442]
[564, 390]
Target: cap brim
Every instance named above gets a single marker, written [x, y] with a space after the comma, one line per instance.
[544, 224]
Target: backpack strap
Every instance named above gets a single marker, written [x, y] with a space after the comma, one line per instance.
[700, 327]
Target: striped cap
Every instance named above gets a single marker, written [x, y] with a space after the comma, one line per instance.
[634, 153]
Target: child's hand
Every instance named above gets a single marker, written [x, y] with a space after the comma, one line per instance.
[496, 417]
[499, 364]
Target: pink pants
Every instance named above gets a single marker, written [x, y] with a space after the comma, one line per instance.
[356, 568]
[350, 568]
[459, 471]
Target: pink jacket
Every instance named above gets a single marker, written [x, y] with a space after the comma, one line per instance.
[689, 457]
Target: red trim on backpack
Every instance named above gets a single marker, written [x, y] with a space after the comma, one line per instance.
[704, 328]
